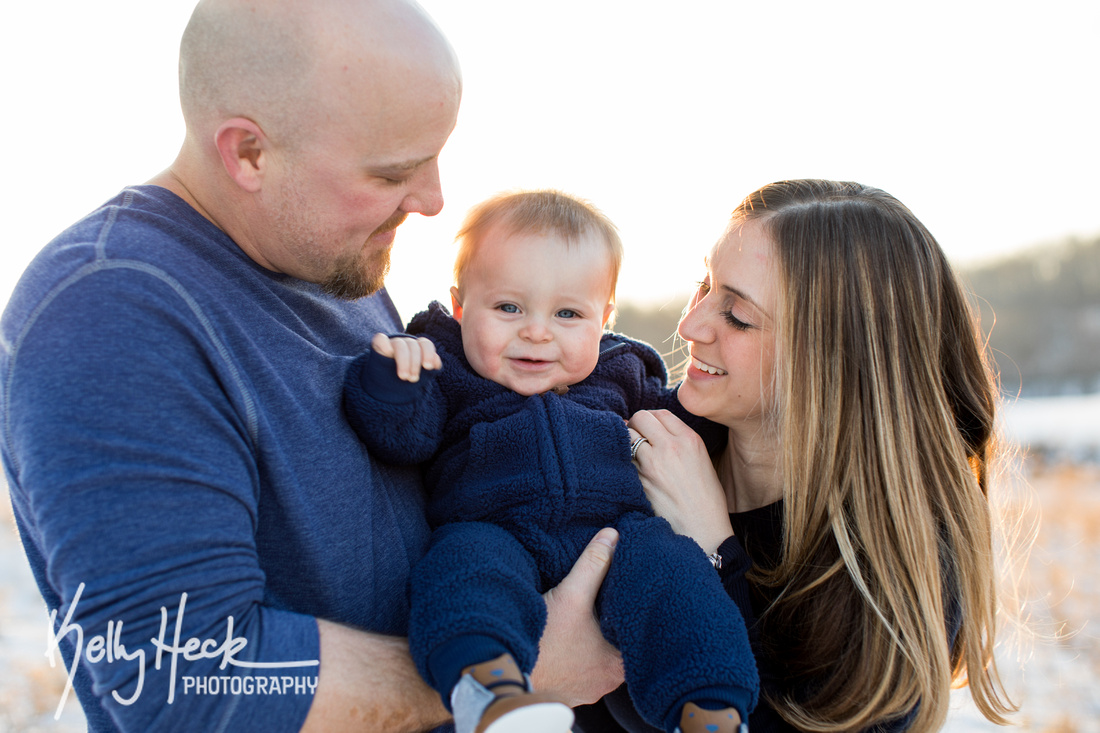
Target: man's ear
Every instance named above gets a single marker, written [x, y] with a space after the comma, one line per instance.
[242, 146]
[456, 304]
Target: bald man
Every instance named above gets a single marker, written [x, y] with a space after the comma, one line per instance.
[220, 550]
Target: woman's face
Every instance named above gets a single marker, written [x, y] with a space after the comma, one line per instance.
[730, 330]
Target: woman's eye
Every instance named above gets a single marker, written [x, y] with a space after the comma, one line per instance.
[736, 322]
[509, 308]
[566, 313]
[704, 287]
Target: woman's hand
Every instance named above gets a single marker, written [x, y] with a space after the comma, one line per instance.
[679, 478]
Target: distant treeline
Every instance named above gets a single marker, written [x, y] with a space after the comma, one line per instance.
[1040, 310]
[657, 327]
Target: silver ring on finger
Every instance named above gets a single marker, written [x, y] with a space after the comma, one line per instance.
[635, 445]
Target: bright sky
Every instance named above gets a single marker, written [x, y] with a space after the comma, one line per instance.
[980, 116]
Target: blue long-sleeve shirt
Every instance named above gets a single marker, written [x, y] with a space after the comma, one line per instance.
[171, 424]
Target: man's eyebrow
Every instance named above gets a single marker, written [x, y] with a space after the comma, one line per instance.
[407, 165]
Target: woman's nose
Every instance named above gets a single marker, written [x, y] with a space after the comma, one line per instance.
[692, 326]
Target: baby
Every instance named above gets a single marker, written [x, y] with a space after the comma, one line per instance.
[517, 407]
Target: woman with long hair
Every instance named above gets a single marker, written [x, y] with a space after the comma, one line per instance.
[849, 512]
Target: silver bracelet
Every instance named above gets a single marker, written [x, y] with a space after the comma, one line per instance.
[715, 560]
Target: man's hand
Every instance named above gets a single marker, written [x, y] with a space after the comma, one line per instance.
[411, 355]
[575, 660]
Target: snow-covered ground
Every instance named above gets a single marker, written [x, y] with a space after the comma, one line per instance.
[1050, 658]
[1066, 428]
[1051, 665]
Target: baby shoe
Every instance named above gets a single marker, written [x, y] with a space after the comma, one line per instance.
[694, 719]
[496, 697]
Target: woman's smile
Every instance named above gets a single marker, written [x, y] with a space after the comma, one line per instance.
[707, 368]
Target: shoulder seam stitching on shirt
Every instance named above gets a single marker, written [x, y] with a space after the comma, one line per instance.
[105, 230]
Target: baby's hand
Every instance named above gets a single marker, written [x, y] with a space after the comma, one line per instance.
[411, 355]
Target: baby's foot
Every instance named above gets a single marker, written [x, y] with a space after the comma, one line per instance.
[694, 719]
[496, 697]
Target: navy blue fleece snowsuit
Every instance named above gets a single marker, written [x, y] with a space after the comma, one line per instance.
[517, 488]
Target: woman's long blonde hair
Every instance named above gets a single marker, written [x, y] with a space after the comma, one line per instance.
[885, 414]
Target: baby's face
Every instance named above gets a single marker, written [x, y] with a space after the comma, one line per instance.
[533, 309]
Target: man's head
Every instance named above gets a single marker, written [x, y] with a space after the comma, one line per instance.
[535, 284]
[313, 130]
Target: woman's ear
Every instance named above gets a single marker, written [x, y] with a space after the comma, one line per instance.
[242, 147]
[456, 304]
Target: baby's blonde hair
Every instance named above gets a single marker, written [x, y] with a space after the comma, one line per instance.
[545, 211]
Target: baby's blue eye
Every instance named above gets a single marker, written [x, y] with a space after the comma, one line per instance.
[509, 308]
[566, 313]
